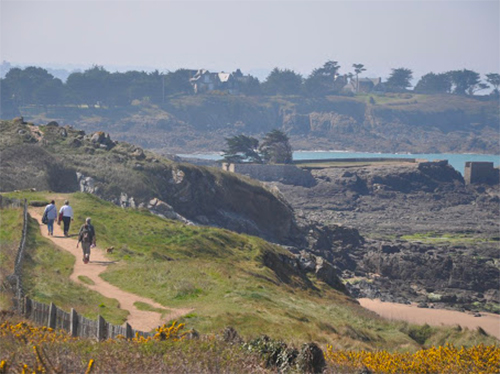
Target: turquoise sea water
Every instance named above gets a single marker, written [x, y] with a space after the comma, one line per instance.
[456, 160]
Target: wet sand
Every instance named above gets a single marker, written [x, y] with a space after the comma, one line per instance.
[435, 317]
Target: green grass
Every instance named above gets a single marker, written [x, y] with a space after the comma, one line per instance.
[86, 280]
[149, 308]
[11, 225]
[47, 269]
[456, 238]
[222, 276]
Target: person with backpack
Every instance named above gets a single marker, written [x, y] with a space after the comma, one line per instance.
[49, 216]
[86, 236]
[66, 215]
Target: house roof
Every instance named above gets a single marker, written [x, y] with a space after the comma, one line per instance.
[224, 77]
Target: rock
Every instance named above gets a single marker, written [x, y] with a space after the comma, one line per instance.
[75, 142]
[162, 209]
[126, 202]
[87, 184]
[306, 261]
[97, 137]
[326, 272]
[138, 153]
[19, 121]
[177, 176]
[53, 124]
[311, 359]
[192, 335]
[230, 335]
[102, 140]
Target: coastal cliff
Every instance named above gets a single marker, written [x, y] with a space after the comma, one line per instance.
[389, 123]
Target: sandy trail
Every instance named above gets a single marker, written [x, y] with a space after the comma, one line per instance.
[138, 319]
[436, 317]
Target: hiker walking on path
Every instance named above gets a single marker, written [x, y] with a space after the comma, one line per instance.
[86, 236]
[50, 214]
[66, 215]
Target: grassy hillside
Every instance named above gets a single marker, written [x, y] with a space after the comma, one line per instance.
[46, 272]
[229, 279]
[52, 157]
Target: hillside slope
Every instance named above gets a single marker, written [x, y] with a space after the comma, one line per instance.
[404, 122]
[229, 280]
[63, 159]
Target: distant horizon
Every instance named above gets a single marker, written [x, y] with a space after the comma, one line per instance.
[424, 36]
[260, 73]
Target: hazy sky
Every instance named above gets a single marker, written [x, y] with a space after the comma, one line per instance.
[224, 35]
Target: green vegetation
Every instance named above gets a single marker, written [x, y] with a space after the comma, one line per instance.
[56, 352]
[228, 279]
[456, 238]
[86, 280]
[47, 269]
[46, 274]
[11, 225]
[148, 307]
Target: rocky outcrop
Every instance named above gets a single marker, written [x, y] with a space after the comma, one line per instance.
[450, 256]
[320, 267]
[87, 184]
[132, 177]
[102, 140]
[164, 210]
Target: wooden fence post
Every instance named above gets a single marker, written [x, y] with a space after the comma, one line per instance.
[101, 328]
[73, 323]
[28, 306]
[52, 316]
[128, 331]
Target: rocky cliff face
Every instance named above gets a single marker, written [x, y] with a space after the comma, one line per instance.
[425, 235]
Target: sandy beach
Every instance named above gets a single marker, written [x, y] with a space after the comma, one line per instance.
[435, 317]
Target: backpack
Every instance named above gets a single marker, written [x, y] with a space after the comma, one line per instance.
[45, 220]
[86, 236]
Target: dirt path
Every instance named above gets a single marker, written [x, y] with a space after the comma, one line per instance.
[138, 319]
[436, 317]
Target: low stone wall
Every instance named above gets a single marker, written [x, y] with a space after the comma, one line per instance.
[286, 174]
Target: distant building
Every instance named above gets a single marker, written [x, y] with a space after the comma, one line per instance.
[204, 81]
[365, 85]
[481, 172]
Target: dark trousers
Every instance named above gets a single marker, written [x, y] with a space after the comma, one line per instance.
[66, 221]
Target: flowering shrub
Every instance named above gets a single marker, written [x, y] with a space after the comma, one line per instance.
[479, 359]
[172, 332]
[33, 335]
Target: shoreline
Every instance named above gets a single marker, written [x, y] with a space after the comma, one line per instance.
[489, 322]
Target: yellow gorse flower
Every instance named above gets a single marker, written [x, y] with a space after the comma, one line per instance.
[447, 359]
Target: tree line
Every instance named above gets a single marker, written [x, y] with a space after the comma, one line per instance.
[98, 87]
